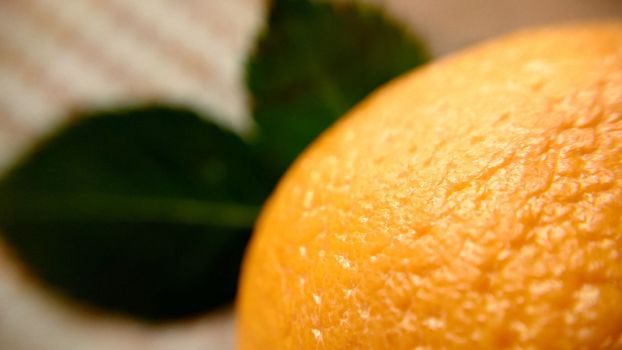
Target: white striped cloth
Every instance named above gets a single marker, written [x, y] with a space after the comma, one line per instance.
[58, 56]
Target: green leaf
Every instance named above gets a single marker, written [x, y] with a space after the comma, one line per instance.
[314, 63]
[146, 211]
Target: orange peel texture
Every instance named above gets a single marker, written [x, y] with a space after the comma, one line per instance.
[473, 203]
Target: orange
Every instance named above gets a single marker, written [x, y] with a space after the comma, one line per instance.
[474, 203]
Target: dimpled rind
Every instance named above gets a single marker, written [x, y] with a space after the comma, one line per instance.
[473, 203]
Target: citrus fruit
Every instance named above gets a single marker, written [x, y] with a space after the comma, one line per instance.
[475, 202]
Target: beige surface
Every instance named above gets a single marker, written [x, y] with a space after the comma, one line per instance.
[56, 56]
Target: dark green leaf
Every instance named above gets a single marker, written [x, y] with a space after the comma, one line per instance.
[145, 211]
[314, 62]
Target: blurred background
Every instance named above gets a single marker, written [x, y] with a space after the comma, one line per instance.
[60, 57]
